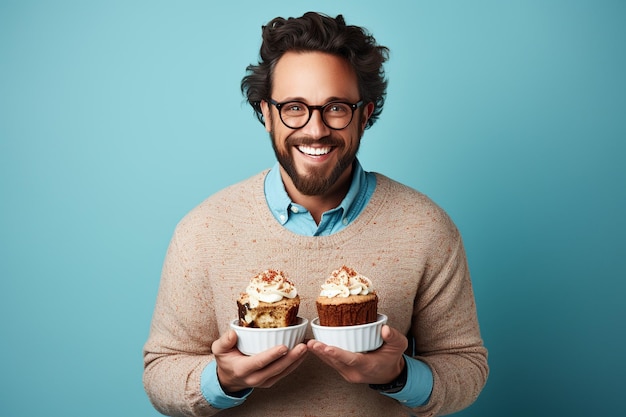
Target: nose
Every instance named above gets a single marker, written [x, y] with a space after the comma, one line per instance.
[316, 128]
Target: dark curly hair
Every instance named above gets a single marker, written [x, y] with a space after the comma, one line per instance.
[318, 32]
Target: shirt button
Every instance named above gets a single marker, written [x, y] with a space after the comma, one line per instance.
[294, 209]
[282, 218]
[345, 222]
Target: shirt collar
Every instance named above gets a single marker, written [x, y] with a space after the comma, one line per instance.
[281, 205]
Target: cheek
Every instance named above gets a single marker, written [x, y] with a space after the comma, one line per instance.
[278, 139]
[354, 140]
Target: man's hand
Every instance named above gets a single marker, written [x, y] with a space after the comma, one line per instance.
[377, 367]
[237, 371]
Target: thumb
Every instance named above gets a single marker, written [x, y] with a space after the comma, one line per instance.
[225, 343]
[394, 338]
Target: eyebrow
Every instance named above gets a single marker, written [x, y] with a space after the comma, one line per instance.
[303, 100]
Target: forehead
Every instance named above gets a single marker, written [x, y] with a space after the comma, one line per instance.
[314, 77]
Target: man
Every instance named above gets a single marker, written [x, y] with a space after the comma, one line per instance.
[319, 84]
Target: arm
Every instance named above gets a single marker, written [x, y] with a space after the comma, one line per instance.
[448, 356]
[183, 328]
[189, 369]
[445, 328]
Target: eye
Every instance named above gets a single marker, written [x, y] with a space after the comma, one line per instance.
[294, 108]
[337, 109]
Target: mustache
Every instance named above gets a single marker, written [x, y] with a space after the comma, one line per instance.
[305, 141]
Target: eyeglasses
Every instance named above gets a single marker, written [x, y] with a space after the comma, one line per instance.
[336, 115]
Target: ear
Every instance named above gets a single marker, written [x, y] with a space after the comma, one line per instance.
[267, 116]
[368, 109]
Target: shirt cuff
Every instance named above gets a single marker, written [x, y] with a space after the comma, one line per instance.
[213, 392]
[419, 384]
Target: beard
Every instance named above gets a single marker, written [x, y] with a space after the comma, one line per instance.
[315, 182]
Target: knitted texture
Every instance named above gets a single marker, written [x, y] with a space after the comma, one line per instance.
[402, 241]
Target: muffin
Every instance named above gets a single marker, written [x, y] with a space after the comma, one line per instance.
[270, 301]
[347, 299]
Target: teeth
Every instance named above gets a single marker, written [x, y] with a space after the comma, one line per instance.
[313, 151]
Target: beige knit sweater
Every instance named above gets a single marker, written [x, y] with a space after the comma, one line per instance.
[404, 242]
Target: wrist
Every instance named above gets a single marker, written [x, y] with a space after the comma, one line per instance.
[394, 386]
[227, 386]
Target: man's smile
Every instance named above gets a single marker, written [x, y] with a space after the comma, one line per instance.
[314, 151]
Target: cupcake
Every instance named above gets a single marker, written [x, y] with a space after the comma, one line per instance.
[270, 301]
[347, 299]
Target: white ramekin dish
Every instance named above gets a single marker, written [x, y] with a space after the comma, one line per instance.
[251, 340]
[360, 338]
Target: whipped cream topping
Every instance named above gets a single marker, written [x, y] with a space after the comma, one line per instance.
[345, 282]
[270, 286]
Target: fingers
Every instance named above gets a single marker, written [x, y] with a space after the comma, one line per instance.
[349, 365]
[331, 354]
[264, 370]
[369, 367]
[260, 370]
[264, 359]
[334, 356]
[292, 360]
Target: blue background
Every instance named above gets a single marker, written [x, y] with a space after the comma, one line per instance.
[118, 117]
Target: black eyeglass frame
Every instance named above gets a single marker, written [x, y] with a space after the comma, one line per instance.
[353, 107]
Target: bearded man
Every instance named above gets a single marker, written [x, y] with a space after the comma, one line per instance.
[318, 86]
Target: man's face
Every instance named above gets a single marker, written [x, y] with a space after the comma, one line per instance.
[315, 157]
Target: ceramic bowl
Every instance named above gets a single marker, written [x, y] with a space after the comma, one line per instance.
[360, 338]
[252, 340]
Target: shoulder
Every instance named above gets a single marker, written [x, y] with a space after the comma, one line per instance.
[397, 193]
[411, 207]
[240, 191]
[227, 203]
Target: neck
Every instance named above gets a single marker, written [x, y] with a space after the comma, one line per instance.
[318, 204]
